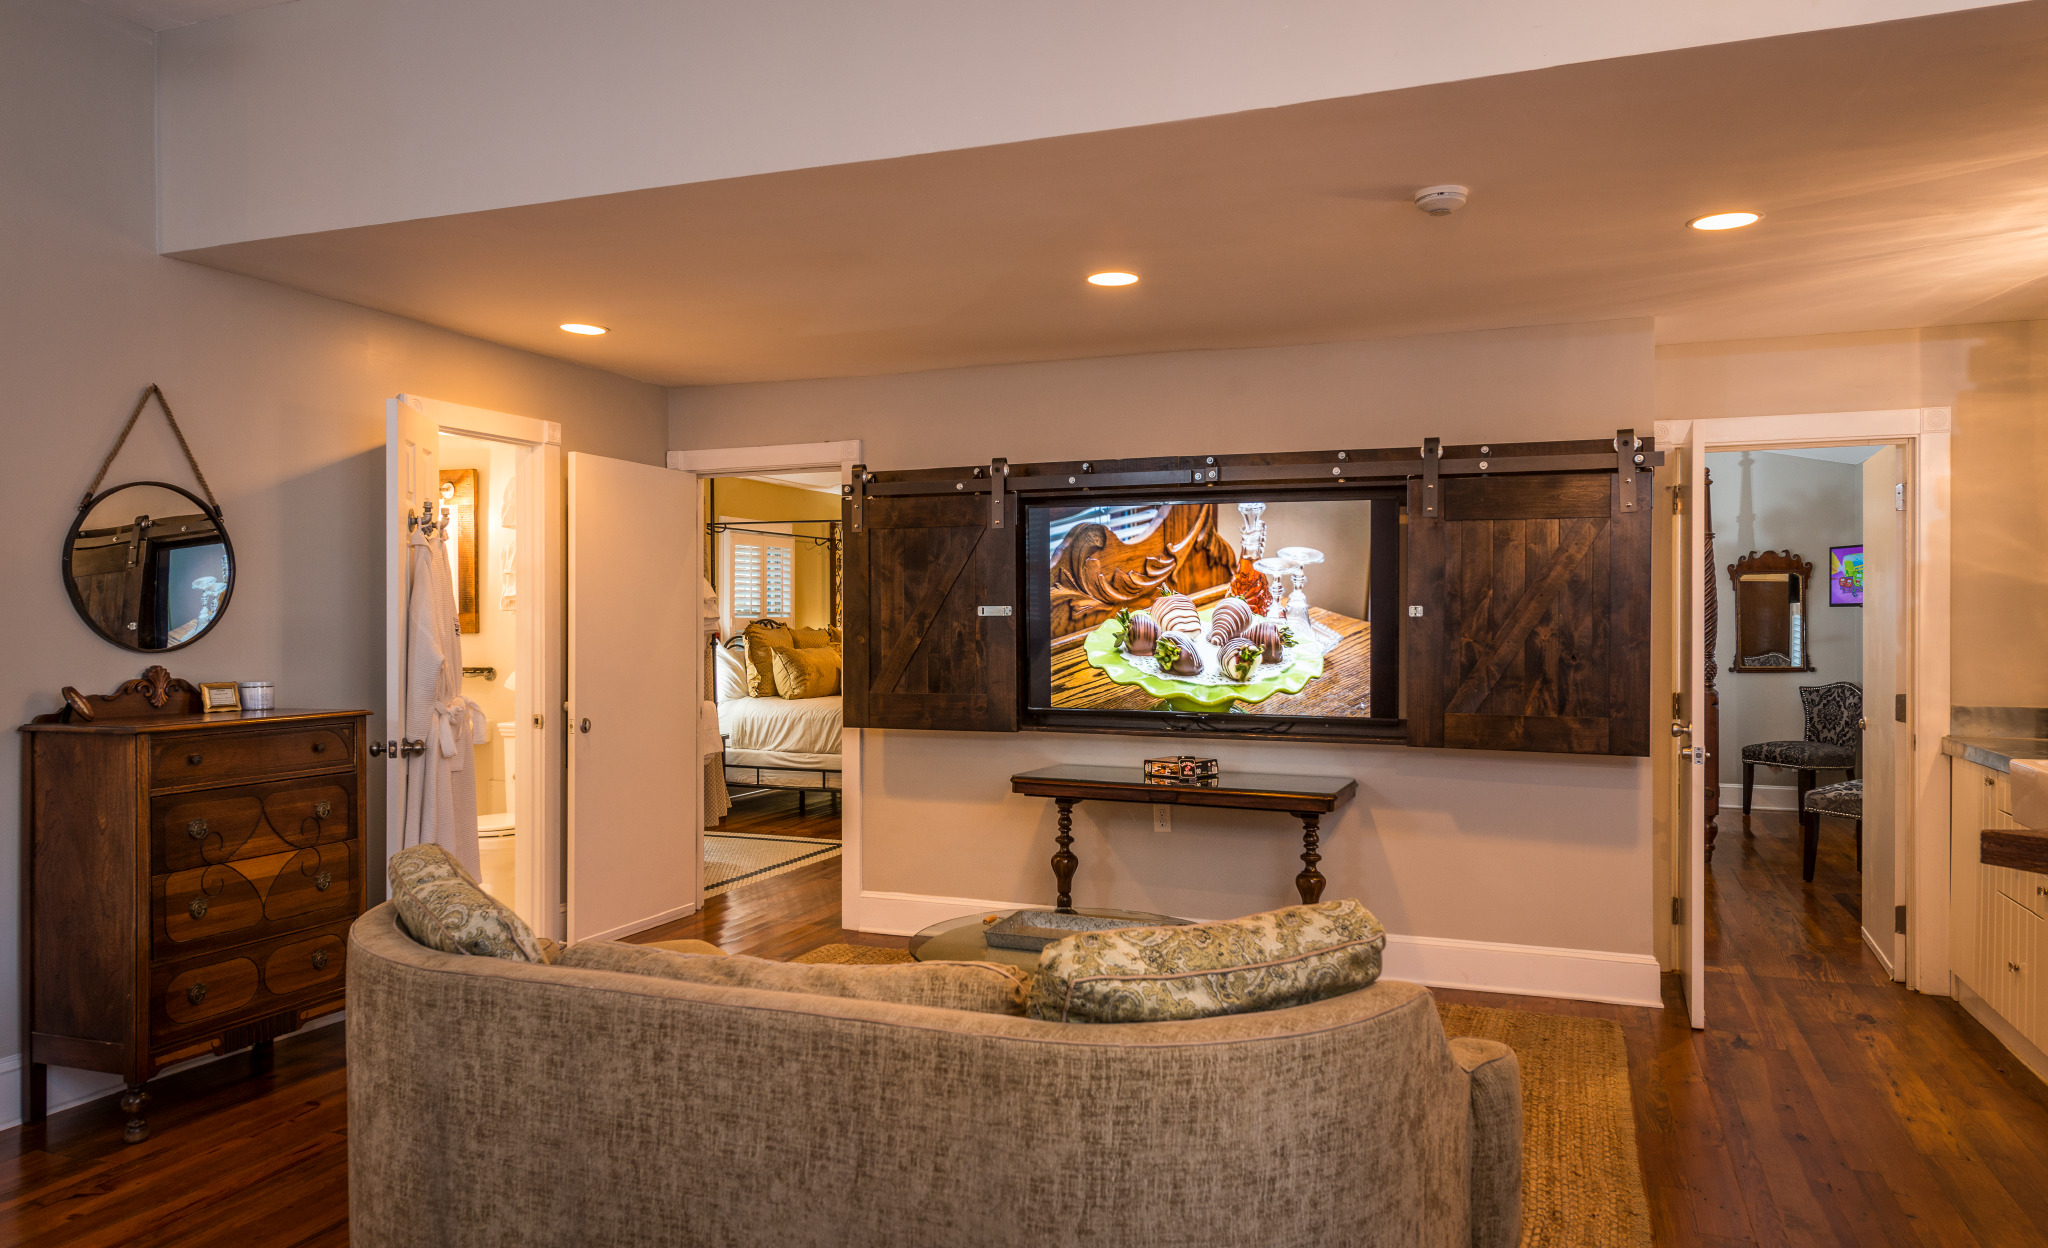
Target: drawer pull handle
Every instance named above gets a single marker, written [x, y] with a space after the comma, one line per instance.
[319, 747]
[322, 809]
[196, 829]
[196, 908]
[193, 760]
[323, 880]
[319, 959]
[195, 994]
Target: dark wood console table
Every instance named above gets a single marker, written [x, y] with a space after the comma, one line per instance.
[1307, 798]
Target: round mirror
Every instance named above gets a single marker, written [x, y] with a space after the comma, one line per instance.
[149, 566]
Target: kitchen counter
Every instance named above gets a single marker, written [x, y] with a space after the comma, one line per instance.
[1996, 753]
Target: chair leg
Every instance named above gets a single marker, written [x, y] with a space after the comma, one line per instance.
[1748, 785]
[1809, 824]
[1804, 780]
[1859, 846]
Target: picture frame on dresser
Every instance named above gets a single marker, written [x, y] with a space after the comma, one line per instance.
[189, 878]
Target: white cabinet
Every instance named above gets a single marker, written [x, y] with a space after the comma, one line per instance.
[1999, 914]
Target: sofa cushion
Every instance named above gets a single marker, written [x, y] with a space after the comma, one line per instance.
[984, 987]
[443, 908]
[812, 673]
[1262, 962]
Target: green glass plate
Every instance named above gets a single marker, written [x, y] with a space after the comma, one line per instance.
[1180, 695]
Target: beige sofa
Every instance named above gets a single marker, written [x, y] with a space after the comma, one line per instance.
[496, 1103]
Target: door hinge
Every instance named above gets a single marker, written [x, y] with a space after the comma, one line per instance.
[1677, 500]
[1678, 706]
[1899, 920]
[1677, 911]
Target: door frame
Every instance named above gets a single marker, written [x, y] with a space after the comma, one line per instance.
[798, 457]
[1923, 832]
[541, 646]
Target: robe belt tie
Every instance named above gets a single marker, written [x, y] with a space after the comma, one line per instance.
[458, 722]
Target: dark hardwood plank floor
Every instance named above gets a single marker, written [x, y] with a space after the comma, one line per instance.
[1823, 1105]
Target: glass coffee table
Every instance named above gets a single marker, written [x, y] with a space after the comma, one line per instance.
[960, 940]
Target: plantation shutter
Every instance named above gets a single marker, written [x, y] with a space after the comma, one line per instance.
[920, 651]
[1534, 628]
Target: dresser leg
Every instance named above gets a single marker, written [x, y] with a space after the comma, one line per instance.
[35, 1092]
[261, 1056]
[132, 1105]
[1310, 882]
[1064, 862]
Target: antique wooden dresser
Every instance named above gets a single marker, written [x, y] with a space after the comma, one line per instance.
[191, 879]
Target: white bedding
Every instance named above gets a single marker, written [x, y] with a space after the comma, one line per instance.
[806, 726]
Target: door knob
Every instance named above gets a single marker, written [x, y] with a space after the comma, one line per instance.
[382, 749]
[410, 747]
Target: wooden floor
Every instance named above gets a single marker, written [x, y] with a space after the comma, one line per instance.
[1823, 1105]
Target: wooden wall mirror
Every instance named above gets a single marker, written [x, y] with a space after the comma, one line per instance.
[1770, 612]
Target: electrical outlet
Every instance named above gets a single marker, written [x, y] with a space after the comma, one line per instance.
[1162, 818]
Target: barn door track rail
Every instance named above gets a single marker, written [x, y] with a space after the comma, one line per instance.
[1625, 455]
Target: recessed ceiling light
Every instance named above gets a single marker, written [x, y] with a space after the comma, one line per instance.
[1112, 279]
[574, 327]
[1725, 220]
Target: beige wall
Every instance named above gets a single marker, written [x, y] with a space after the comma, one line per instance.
[1995, 377]
[282, 395]
[1518, 849]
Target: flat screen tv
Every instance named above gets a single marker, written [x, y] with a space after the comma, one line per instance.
[1226, 613]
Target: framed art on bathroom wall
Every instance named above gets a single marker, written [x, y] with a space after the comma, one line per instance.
[1845, 576]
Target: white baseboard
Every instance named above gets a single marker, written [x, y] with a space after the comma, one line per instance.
[2027, 1051]
[1884, 959]
[71, 1088]
[907, 914]
[1763, 797]
[1524, 970]
[641, 925]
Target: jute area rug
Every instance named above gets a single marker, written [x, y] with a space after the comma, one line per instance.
[734, 858]
[1582, 1186]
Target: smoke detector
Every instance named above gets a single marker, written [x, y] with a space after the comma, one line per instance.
[1441, 201]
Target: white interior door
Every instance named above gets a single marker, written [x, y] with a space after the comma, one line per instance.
[1886, 735]
[412, 486]
[1688, 768]
[635, 796]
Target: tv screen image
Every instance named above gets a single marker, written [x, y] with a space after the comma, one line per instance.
[1248, 607]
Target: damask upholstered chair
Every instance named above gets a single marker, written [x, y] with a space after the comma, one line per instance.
[1844, 801]
[1834, 715]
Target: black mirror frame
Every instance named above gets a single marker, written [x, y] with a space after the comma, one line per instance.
[207, 509]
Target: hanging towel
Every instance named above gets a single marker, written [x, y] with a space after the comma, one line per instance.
[440, 781]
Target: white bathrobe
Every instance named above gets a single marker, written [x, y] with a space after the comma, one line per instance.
[440, 784]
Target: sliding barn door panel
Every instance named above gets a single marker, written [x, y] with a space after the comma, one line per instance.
[920, 651]
[1534, 624]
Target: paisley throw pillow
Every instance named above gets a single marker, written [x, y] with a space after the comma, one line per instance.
[1263, 962]
[443, 908]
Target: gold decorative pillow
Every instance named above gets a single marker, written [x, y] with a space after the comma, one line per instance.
[806, 673]
[813, 638]
[443, 908]
[762, 637]
[1262, 962]
[984, 987]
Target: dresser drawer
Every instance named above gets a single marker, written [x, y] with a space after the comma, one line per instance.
[186, 759]
[230, 903]
[249, 821]
[202, 994]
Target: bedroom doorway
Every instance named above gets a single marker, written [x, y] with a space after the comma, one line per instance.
[781, 770]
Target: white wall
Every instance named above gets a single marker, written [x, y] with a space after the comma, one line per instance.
[1762, 502]
[282, 395]
[1458, 845]
[325, 114]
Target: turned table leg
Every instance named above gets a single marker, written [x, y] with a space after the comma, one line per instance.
[1064, 862]
[1310, 882]
[132, 1104]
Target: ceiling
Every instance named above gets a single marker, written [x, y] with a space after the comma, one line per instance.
[1902, 169]
[164, 14]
